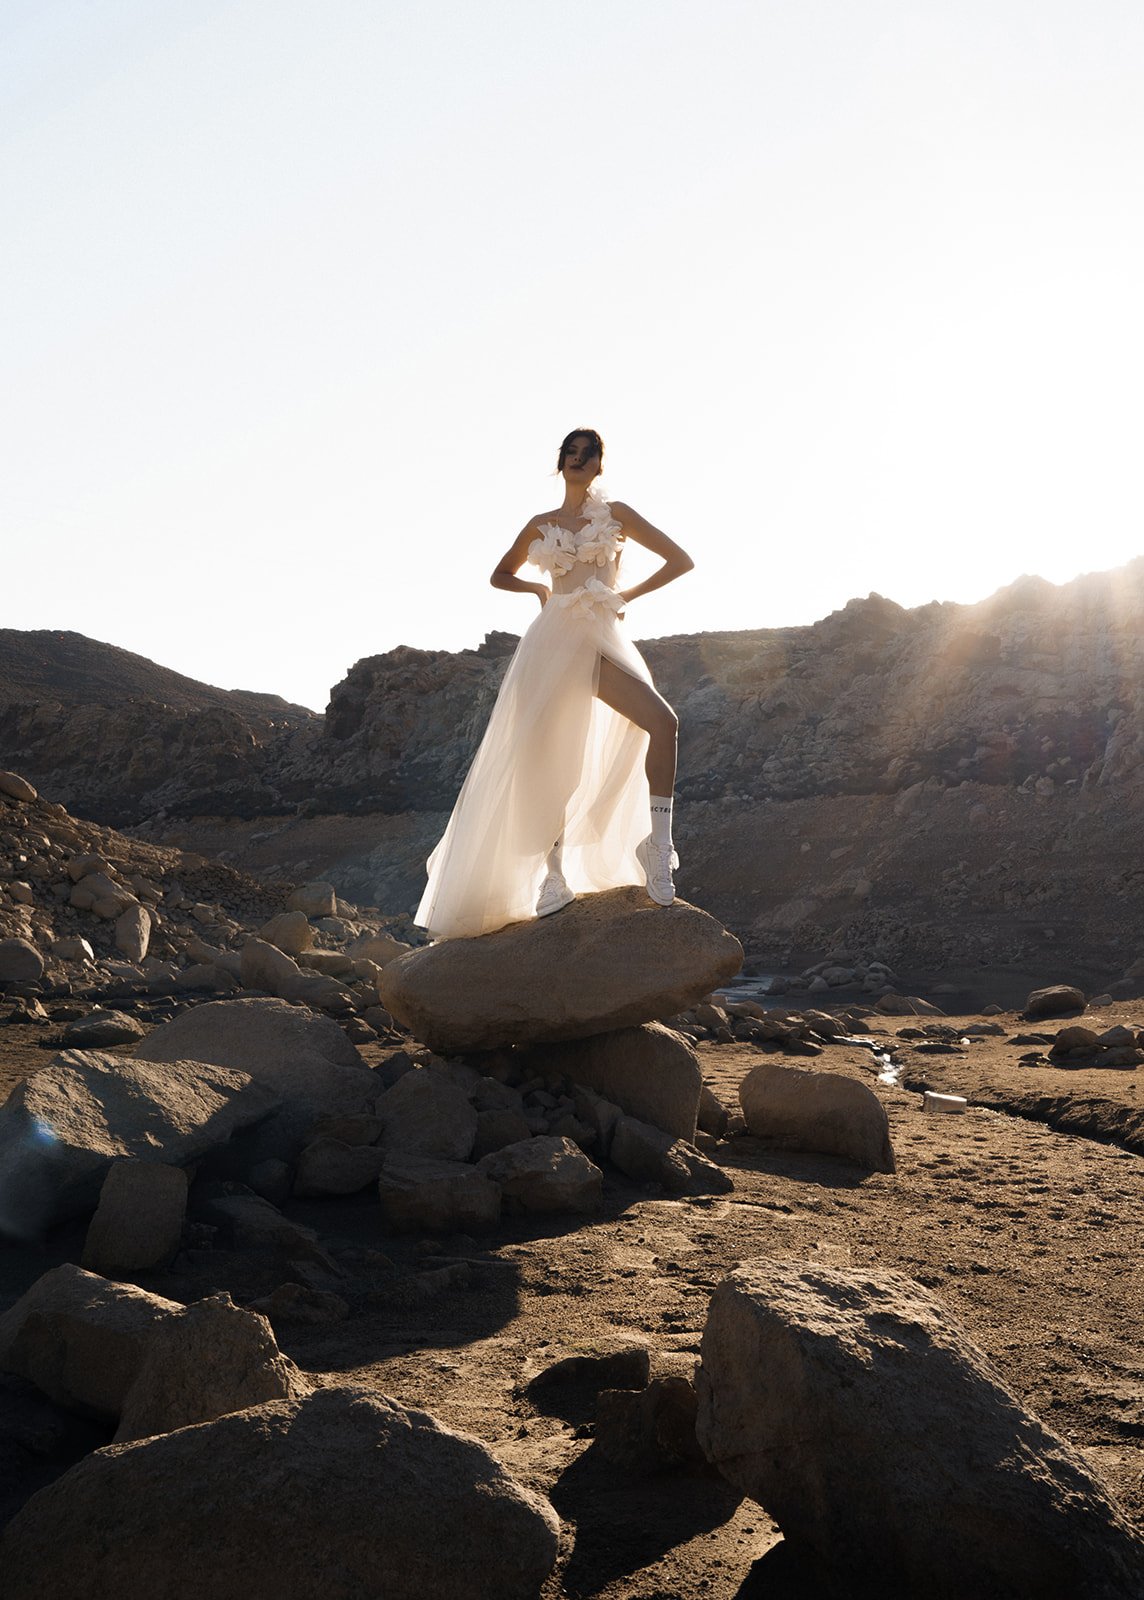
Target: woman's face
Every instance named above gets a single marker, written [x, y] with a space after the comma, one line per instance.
[581, 460]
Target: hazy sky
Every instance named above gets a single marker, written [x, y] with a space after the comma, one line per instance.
[299, 297]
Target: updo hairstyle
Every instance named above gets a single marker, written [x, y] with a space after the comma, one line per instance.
[570, 440]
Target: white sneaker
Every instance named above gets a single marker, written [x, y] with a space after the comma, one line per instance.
[554, 895]
[658, 862]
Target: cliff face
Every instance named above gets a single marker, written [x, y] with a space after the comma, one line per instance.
[118, 738]
[1038, 685]
[947, 784]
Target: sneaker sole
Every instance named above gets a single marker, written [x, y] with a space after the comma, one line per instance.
[640, 857]
[557, 905]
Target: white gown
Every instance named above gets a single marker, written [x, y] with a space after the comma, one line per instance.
[555, 761]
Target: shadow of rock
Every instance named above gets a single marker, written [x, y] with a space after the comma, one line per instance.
[780, 1575]
[624, 1522]
[749, 1154]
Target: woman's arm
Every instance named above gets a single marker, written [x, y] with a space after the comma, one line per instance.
[505, 572]
[676, 561]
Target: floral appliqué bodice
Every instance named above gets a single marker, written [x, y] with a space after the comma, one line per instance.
[583, 562]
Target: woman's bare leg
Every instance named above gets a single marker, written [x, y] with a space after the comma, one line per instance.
[640, 703]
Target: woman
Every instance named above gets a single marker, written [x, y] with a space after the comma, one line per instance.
[579, 743]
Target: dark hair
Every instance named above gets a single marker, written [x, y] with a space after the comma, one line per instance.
[579, 433]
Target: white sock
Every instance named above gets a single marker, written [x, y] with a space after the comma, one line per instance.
[661, 820]
[556, 857]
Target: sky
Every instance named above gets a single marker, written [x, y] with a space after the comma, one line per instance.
[300, 297]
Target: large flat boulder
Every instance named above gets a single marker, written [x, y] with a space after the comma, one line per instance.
[853, 1408]
[307, 1059]
[608, 961]
[61, 1129]
[802, 1109]
[334, 1496]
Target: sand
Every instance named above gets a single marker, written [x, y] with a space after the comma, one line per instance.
[1032, 1236]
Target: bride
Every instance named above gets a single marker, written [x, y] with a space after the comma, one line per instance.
[580, 749]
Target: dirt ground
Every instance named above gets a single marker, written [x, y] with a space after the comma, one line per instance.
[1031, 1235]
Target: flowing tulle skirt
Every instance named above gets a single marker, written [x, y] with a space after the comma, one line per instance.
[555, 762]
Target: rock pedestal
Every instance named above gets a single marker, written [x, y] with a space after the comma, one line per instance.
[607, 961]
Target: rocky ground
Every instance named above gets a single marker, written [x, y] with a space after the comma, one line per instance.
[1031, 1236]
[1021, 1214]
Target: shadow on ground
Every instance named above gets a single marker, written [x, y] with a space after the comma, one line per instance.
[625, 1522]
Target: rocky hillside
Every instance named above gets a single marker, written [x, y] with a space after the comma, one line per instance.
[118, 738]
[948, 785]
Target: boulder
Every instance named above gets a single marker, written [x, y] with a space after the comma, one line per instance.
[824, 1111]
[306, 1059]
[713, 1118]
[204, 954]
[1079, 1038]
[445, 1196]
[102, 895]
[649, 1071]
[891, 1004]
[15, 787]
[301, 1305]
[377, 948]
[251, 1223]
[20, 962]
[61, 1129]
[649, 1155]
[1058, 1000]
[289, 931]
[271, 1180]
[203, 1362]
[649, 1430]
[99, 1030]
[545, 1174]
[203, 976]
[133, 932]
[336, 1495]
[314, 900]
[498, 1126]
[81, 1339]
[139, 1220]
[360, 1127]
[82, 866]
[330, 962]
[611, 960]
[424, 1114]
[263, 966]
[598, 1115]
[853, 1408]
[73, 949]
[331, 1166]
